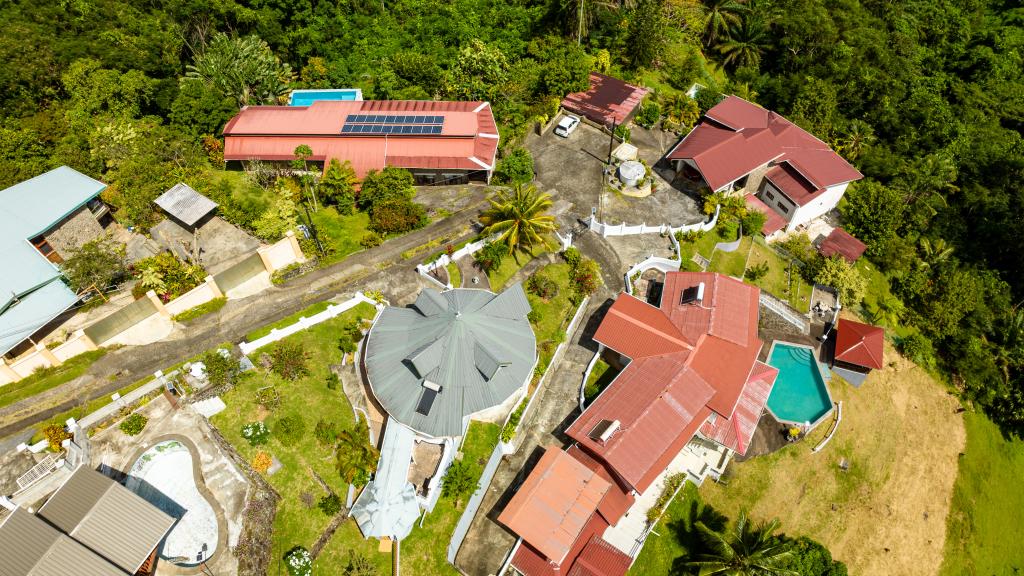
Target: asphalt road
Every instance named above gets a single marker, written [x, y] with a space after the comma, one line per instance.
[381, 268]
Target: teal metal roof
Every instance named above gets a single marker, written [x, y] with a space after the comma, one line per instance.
[450, 355]
[32, 311]
[387, 508]
[28, 209]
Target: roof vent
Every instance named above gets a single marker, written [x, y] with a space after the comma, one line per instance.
[604, 430]
[692, 294]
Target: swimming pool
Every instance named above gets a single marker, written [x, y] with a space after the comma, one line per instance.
[164, 476]
[307, 97]
[799, 395]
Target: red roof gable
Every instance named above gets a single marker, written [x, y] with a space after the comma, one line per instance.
[608, 100]
[840, 242]
[859, 344]
[618, 499]
[599, 558]
[736, 431]
[468, 141]
[741, 136]
[773, 221]
[532, 562]
[688, 360]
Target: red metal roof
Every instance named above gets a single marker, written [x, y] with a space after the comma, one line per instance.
[840, 242]
[736, 431]
[554, 504]
[773, 221]
[532, 562]
[741, 136]
[860, 344]
[468, 141]
[660, 400]
[599, 558]
[607, 100]
[791, 183]
[618, 499]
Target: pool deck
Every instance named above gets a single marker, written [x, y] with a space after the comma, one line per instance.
[825, 377]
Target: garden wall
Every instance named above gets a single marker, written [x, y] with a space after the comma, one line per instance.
[624, 229]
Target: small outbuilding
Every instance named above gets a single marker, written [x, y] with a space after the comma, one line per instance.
[609, 101]
[185, 205]
[840, 242]
[858, 351]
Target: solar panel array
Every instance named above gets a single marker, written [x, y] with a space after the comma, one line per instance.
[392, 124]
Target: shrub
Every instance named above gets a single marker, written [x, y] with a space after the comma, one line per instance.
[459, 481]
[371, 239]
[508, 432]
[753, 222]
[298, 562]
[165, 275]
[262, 462]
[671, 484]
[490, 256]
[916, 348]
[389, 184]
[288, 360]
[330, 504]
[689, 236]
[325, 432]
[572, 256]
[586, 278]
[256, 433]
[727, 229]
[201, 310]
[515, 168]
[542, 287]
[268, 397]
[133, 424]
[333, 381]
[55, 435]
[397, 217]
[534, 316]
[622, 132]
[755, 273]
[649, 113]
[847, 280]
[358, 565]
[282, 275]
[290, 428]
[221, 366]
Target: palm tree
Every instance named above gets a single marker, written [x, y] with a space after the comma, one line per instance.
[745, 44]
[934, 252]
[721, 16]
[520, 217]
[858, 138]
[745, 551]
[1009, 351]
[888, 311]
[579, 14]
[356, 457]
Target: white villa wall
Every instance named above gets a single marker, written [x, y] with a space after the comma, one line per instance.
[75, 345]
[199, 295]
[279, 255]
[824, 203]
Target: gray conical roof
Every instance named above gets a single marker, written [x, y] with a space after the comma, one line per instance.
[450, 355]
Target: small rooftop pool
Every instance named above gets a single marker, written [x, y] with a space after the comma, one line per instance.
[799, 395]
[165, 476]
[307, 97]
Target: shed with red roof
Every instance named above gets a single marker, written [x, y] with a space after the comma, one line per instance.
[439, 142]
[859, 346]
[609, 101]
[741, 146]
[840, 242]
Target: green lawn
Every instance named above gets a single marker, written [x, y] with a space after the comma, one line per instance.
[670, 536]
[509, 266]
[731, 263]
[423, 552]
[454, 274]
[340, 233]
[601, 375]
[46, 378]
[201, 310]
[778, 281]
[555, 314]
[986, 533]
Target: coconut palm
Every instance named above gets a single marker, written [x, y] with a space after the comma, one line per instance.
[580, 14]
[520, 217]
[858, 138]
[744, 551]
[721, 16]
[889, 311]
[745, 43]
[1008, 352]
[355, 457]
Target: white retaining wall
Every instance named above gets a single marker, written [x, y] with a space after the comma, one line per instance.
[627, 230]
[331, 312]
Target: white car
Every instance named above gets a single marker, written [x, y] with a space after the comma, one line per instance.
[567, 125]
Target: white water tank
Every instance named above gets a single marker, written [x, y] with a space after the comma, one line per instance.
[631, 172]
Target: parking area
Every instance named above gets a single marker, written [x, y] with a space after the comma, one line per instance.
[571, 170]
[220, 243]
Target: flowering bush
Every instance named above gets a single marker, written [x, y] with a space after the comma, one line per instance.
[133, 424]
[298, 562]
[261, 462]
[256, 433]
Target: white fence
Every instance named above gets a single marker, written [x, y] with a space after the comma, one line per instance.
[627, 230]
[331, 312]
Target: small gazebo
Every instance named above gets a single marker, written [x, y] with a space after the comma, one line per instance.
[185, 205]
[859, 349]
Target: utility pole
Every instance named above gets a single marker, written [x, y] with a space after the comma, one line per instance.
[312, 229]
[611, 142]
[579, 24]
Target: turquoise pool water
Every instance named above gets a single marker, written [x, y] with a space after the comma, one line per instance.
[799, 394]
[307, 97]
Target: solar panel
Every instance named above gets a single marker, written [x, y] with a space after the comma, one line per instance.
[426, 401]
[392, 124]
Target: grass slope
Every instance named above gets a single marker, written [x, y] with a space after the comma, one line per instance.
[986, 533]
[46, 378]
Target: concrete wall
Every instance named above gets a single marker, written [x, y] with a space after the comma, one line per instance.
[286, 251]
[199, 295]
[43, 357]
[824, 203]
[77, 344]
[77, 229]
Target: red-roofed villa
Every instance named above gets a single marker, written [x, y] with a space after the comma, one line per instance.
[689, 397]
[439, 142]
[742, 147]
